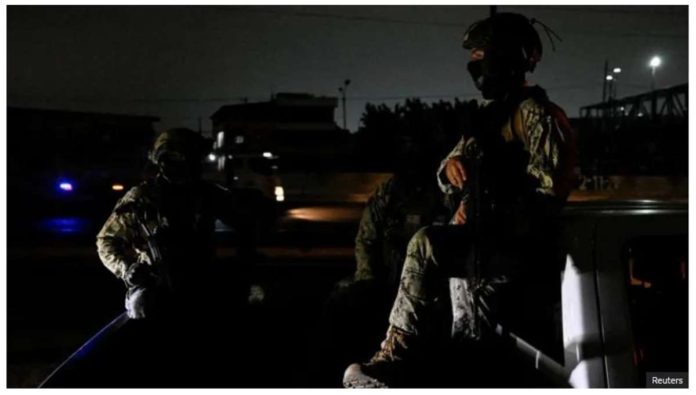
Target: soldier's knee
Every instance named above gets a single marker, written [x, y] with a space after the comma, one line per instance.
[419, 251]
[420, 239]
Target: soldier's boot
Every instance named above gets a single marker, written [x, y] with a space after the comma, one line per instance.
[387, 366]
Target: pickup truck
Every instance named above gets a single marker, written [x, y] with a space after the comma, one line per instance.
[623, 309]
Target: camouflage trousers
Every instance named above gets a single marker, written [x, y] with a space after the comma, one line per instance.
[436, 254]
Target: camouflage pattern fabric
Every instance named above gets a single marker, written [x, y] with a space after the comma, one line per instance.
[438, 252]
[396, 210]
[545, 134]
[435, 254]
[120, 242]
[182, 228]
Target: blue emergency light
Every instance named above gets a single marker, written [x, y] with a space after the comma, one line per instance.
[65, 186]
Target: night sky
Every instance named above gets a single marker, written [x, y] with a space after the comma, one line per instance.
[181, 63]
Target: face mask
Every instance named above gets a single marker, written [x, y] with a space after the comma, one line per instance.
[493, 78]
[177, 171]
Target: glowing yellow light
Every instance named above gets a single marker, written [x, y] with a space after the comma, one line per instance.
[325, 214]
[279, 193]
[117, 187]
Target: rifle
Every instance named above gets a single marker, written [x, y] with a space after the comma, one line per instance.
[155, 252]
[474, 155]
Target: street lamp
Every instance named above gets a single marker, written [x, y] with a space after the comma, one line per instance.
[655, 62]
[609, 81]
[343, 89]
[612, 78]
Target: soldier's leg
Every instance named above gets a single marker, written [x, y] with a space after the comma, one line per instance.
[432, 255]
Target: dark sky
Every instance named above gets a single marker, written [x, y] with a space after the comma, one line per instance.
[181, 63]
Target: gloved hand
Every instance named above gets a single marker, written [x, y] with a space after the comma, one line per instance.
[138, 274]
[142, 303]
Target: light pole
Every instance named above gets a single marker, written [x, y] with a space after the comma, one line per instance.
[613, 79]
[655, 62]
[615, 73]
[604, 81]
[343, 89]
[610, 80]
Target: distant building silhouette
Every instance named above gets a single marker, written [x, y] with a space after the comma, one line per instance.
[298, 129]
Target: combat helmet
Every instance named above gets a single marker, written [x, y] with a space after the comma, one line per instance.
[508, 35]
[178, 154]
[179, 142]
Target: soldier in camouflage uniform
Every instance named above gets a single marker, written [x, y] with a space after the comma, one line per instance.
[159, 241]
[405, 202]
[515, 167]
[159, 238]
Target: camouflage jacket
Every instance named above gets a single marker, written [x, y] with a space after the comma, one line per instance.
[140, 220]
[396, 210]
[542, 131]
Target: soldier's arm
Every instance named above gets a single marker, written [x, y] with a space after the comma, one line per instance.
[115, 242]
[368, 241]
[551, 144]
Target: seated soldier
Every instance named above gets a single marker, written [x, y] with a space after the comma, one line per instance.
[355, 313]
[517, 166]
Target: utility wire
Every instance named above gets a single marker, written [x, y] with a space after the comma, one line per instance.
[357, 18]
[634, 10]
[312, 14]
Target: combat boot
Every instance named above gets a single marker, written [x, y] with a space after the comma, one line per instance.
[387, 366]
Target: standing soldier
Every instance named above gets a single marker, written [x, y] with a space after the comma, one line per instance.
[159, 241]
[159, 238]
[517, 164]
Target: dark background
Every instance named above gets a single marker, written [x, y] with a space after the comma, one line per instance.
[181, 64]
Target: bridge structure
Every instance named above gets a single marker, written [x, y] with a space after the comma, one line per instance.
[639, 135]
[672, 102]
